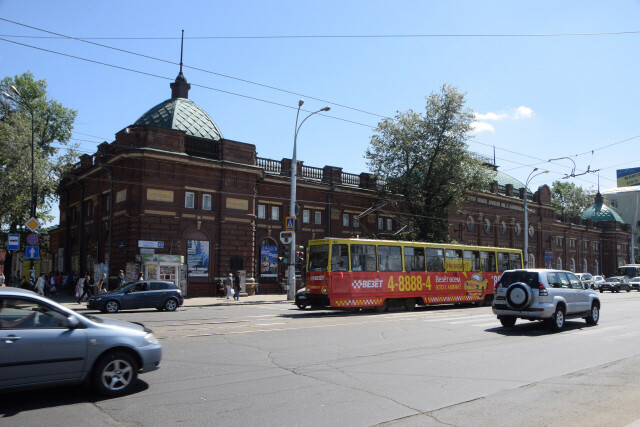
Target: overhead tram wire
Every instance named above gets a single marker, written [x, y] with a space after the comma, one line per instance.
[196, 69]
[171, 79]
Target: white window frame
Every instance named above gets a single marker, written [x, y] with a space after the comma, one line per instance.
[345, 220]
[189, 197]
[356, 222]
[275, 213]
[262, 211]
[306, 216]
[318, 217]
[206, 202]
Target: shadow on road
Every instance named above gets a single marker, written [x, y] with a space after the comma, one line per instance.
[537, 328]
[13, 403]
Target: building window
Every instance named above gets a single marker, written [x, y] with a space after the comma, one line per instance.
[532, 261]
[585, 246]
[345, 220]
[262, 212]
[189, 200]
[380, 224]
[559, 242]
[503, 227]
[318, 217]
[206, 202]
[572, 243]
[584, 265]
[486, 225]
[306, 216]
[532, 231]
[517, 229]
[389, 224]
[595, 267]
[596, 246]
[275, 213]
[572, 265]
[470, 224]
[559, 263]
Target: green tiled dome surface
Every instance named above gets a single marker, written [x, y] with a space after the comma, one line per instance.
[601, 212]
[504, 179]
[181, 114]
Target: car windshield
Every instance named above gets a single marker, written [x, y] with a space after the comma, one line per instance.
[614, 280]
[528, 277]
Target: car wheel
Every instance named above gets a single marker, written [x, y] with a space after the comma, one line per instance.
[115, 374]
[301, 305]
[508, 321]
[518, 295]
[112, 306]
[628, 290]
[170, 305]
[557, 320]
[594, 315]
[601, 291]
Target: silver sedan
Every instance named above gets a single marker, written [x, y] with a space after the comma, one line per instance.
[43, 344]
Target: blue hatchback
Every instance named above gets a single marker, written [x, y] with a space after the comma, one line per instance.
[140, 294]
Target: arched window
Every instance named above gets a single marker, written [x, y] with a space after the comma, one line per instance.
[572, 265]
[585, 269]
[595, 268]
[559, 263]
[532, 261]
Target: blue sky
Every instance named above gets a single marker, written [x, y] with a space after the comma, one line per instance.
[547, 79]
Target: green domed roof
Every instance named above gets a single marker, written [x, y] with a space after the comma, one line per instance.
[181, 114]
[504, 179]
[600, 212]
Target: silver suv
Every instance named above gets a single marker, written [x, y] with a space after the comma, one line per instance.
[542, 294]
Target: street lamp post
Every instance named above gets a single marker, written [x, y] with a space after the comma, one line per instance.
[526, 215]
[291, 281]
[26, 103]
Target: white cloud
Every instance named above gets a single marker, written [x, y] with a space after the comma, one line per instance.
[523, 112]
[482, 127]
[491, 116]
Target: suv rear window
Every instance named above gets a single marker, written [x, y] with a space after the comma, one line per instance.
[528, 277]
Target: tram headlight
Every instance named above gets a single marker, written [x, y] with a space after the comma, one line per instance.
[324, 289]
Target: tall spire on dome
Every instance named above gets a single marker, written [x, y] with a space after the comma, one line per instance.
[180, 88]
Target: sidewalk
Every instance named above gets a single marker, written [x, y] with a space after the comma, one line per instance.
[70, 301]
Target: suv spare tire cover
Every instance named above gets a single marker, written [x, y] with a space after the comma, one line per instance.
[518, 295]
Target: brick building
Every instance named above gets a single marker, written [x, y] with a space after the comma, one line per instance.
[172, 198]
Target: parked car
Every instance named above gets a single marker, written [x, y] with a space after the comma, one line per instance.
[301, 299]
[544, 294]
[139, 294]
[615, 284]
[45, 344]
[587, 279]
[635, 283]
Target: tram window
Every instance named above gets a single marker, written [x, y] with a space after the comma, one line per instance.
[363, 258]
[318, 257]
[487, 261]
[453, 260]
[390, 258]
[414, 259]
[339, 258]
[503, 261]
[471, 261]
[435, 259]
[515, 260]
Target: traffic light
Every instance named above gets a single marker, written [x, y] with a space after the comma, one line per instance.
[299, 255]
[285, 254]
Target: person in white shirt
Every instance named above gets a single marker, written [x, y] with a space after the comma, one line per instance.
[40, 284]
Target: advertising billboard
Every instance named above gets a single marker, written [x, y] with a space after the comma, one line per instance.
[628, 177]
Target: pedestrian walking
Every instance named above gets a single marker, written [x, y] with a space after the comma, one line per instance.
[228, 284]
[86, 288]
[120, 279]
[40, 284]
[2, 283]
[236, 287]
[101, 286]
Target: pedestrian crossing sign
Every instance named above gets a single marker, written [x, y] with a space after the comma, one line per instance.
[290, 224]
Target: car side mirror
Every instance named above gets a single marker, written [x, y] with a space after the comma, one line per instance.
[72, 322]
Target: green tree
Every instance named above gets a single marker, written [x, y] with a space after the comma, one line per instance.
[424, 159]
[569, 199]
[53, 124]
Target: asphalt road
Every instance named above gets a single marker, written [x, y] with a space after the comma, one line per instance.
[274, 365]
